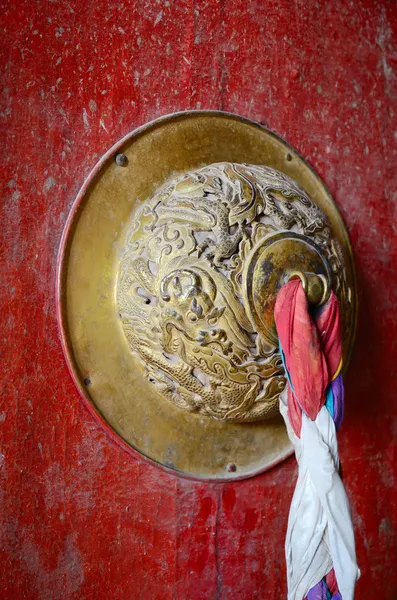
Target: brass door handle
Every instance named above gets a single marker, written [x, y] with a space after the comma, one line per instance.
[170, 266]
[316, 287]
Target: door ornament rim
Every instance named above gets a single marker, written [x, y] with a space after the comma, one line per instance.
[136, 261]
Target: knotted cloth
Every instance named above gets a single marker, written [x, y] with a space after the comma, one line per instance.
[320, 550]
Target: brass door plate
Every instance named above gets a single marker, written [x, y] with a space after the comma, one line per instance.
[108, 375]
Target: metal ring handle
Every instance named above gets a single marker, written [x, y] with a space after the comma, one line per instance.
[315, 286]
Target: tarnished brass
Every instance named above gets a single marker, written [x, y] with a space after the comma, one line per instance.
[169, 269]
[204, 260]
[316, 286]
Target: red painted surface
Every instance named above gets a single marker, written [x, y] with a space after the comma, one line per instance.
[79, 517]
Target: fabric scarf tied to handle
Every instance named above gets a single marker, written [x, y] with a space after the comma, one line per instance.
[320, 550]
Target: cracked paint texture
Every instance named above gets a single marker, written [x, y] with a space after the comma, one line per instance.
[79, 517]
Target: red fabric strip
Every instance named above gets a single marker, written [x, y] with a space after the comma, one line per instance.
[312, 349]
[331, 582]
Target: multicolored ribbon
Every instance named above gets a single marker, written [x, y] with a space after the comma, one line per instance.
[320, 551]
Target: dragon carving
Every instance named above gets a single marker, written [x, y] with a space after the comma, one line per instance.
[180, 292]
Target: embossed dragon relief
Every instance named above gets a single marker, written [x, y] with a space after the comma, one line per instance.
[180, 291]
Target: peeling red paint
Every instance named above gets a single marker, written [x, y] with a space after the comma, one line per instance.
[79, 517]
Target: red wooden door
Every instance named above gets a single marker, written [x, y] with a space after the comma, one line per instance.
[80, 518]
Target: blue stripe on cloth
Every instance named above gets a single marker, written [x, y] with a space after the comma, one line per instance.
[329, 597]
[329, 400]
[285, 367]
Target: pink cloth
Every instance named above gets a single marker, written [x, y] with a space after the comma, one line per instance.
[312, 347]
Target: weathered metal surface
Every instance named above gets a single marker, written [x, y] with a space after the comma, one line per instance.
[131, 267]
[81, 518]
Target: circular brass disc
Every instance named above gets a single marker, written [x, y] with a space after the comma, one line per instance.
[108, 376]
[270, 266]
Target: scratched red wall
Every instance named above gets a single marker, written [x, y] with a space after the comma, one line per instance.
[79, 517]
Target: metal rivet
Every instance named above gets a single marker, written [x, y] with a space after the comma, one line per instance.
[289, 156]
[231, 467]
[87, 381]
[121, 160]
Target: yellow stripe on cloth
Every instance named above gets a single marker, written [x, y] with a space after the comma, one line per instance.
[338, 370]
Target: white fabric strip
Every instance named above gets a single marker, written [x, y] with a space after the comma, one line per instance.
[320, 531]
